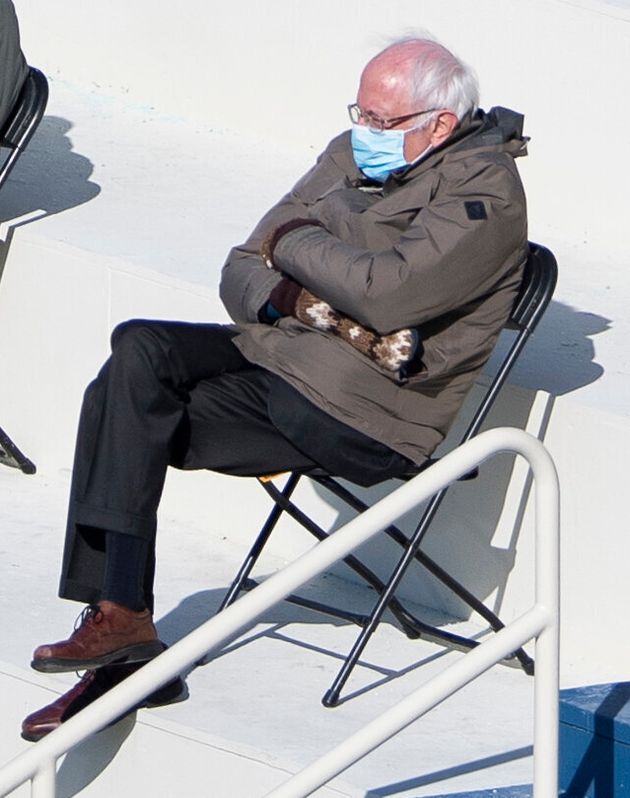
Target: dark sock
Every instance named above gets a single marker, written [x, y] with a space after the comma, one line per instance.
[125, 561]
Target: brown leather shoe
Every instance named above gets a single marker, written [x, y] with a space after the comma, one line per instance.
[93, 685]
[107, 633]
[47, 719]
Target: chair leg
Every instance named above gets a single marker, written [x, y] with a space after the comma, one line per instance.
[411, 625]
[408, 622]
[411, 546]
[495, 623]
[331, 697]
[240, 581]
[255, 551]
[10, 455]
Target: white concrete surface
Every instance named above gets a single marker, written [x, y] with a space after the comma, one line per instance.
[255, 710]
[166, 137]
[126, 754]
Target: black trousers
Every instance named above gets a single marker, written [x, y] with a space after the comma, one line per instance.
[181, 394]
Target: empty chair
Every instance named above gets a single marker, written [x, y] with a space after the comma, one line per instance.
[14, 137]
[23, 119]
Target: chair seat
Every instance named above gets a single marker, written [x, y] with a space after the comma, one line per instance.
[413, 471]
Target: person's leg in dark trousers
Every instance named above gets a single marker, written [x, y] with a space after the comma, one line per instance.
[131, 414]
[154, 403]
[170, 393]
[182, 395]
[129, 418]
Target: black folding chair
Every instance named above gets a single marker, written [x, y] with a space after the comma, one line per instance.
[536, 290]
[23, 120]
[15, 134]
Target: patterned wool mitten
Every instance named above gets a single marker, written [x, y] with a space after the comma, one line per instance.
[390, 352]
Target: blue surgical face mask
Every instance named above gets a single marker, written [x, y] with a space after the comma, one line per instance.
[378, 153]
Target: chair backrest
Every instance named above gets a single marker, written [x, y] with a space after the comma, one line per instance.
[23, 119]
[538, 283]
[537, 287]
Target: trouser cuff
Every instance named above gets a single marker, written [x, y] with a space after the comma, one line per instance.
[114, 520]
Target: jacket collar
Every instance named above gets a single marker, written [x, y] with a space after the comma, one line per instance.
[501, 129]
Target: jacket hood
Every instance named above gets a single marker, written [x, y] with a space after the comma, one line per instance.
[500, 126]
[500, 129]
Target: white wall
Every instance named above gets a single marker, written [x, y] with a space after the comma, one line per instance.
[289, 67]
[281, 73]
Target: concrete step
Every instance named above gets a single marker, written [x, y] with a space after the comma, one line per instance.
[262, 696]
[149, 755]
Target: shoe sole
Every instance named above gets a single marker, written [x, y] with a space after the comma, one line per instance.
[139, 652]
[171, 693]
[36, 737]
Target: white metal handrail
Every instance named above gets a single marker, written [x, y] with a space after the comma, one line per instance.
[39, 763]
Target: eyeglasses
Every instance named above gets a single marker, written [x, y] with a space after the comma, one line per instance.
[357, 115]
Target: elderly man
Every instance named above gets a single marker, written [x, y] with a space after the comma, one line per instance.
[365, 302]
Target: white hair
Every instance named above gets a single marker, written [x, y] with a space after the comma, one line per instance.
[439, 79]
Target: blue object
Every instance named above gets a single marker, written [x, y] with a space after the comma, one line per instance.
[595, 741]
[378, 153]
[272, 313]
[517, 791]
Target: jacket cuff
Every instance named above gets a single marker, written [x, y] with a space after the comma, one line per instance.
[268, 247]
[284, 296]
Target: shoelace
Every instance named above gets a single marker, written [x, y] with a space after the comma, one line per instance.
[91, 612]
[85, 675]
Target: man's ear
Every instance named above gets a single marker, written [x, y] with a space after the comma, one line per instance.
[443, 126]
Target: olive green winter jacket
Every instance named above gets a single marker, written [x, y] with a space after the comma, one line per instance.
[440, 247]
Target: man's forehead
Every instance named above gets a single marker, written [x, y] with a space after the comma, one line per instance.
[381, 88]
[398, 63]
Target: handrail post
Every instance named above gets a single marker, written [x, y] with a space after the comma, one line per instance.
[44, 782]
[547, 677]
